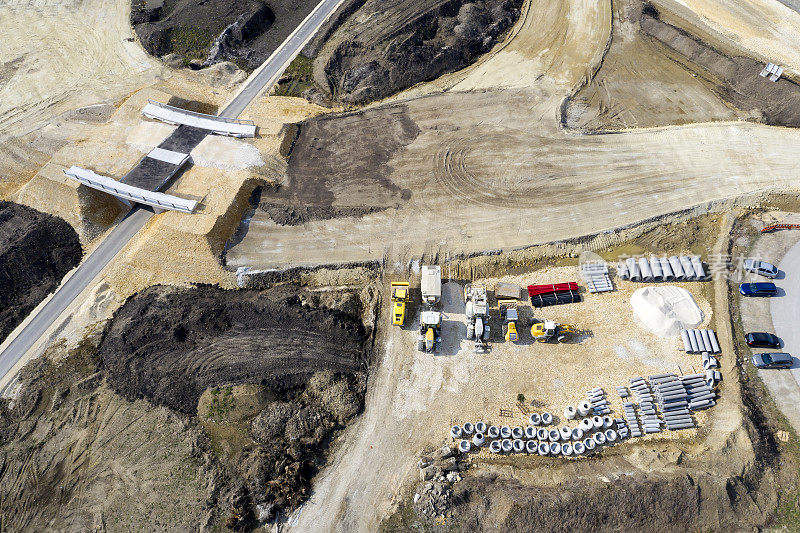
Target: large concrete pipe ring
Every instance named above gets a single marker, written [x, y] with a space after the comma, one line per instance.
[599, 438]
[566, 433]
[517, 432]
[544, 448]
[555, 448]
[655, 267]
[468, 428]
[463, 446]
[584, 408]
[717, 376]
[554, 435]
[687, 345]
[666, 269]
[622, 270]
[531, 446]
[495, 446]
[542, 434]
[710, 363]
[530, 432]
[633, 269]
[710, 376]
[597, 422]
[570, 412]
[493, 432]
[578, 448]
[547, 419]
[611, 435]
[478, 439]
[589, 444]
[455, 432]
[677, 268]
[536, 419]
[688, 269]
[607, 422]
[644, 266]
[577, 434]
[586, 424]
[480, 427]
[506, 445]
[566, 449]
[519, 445]
[505, 432]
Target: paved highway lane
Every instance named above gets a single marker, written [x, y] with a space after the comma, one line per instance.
[95, 262]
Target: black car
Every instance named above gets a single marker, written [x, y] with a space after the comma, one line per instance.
[762, 340]
[772, 360]
[758, 289]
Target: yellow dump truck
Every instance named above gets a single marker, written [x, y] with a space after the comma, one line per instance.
[400, 297]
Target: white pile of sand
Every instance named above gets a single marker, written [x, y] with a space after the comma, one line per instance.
[665, 310]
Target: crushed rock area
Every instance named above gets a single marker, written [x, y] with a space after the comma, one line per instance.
[36, 251]
[169, 345]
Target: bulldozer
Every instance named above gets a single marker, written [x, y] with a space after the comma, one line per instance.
[510, 318]
[430, 329]
[548, 330]
[477, 311]
[400, 296]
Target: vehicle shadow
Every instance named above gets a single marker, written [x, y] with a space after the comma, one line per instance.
[781, 275]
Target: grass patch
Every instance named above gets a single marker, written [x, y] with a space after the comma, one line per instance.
[297, 78]
[191, 42]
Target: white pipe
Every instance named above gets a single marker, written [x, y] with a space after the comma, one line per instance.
[677, 268]
[569, 412]
[495, 446]
[455, 432]
[693, 341]
[589, 444]
[566, 449]
[611, 435]
[463, 446]
[655, 267]
[633, 269]
[585, 424]
[505, 432]
[697, 265]
[555, 448]
[517, 432]
[554, 435]
[480, 427]
[519, 445]
[542, 434]
[536, 419]
[666, 269]
[577, 434]
[622, 270]
[644, 265]
[688, 270]
[530, 432]
[607, 422]
[687, 346]
[597, 422]
[478, 440]
[531, 446]
[547, 419]
[468, 428]
[566, 432]
[493, 432]
[507, 446]
[544, 448]
[706, 340]
[584, 408]
[713, 338]
[578, 448]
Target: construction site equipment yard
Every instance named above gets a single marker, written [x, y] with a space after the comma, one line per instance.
[330, 336]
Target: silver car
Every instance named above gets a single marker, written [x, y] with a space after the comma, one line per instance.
[763, 268]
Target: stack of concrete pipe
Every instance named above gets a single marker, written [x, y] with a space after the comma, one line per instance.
[699, 341]
[673, 401]
[622, 391]
[622, 428]
[597, 398]
[650, 420]
[675, 268]
[699, 393]
[630, 418]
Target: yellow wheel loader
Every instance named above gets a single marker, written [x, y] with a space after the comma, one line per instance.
[547, 330]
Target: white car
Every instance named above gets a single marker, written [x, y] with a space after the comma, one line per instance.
[760, 267]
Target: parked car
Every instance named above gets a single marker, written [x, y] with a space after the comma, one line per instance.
[761, 267]
[772, 360]
[758, 289]
[761, 339]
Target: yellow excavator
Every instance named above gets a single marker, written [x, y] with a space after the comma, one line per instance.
[400, 296]
[547, 330]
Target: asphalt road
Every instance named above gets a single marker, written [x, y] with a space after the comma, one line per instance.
[135, 220]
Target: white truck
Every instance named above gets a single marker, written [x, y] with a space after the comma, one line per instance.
[430, 320]
[431, 285]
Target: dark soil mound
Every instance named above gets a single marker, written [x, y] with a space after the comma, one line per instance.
[169, 345]
[411, 41]
[36, 251]
[245, 32]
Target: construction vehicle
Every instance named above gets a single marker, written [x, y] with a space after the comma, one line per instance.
[510, 318]
[430, 329]
[400, 296]
[477, 311]
[547, 330]
[431, 285]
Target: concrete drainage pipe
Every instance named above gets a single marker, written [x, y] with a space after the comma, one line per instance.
[584, 408]
[480, 427]
[578, 448]
[589, 444]
[633, 269]
[566, 449]
[478, 440]
[666, 268]
[599, 438]
[611, 435]
[495, 446]
[586, 424]
[493, 432]
[655, 267]
[622, 270]
[542, 434]
[569, 413]
[519, 445]
[566, 433]
[517, 432]
[577, 434]
[607, 422]
[597, 422]
[536, 419]
[677, 268]
[554, 435]
[531, 446]
[505, 432]
[463, 446]
[530, 432]
[469, 428]
[544, 448]
[555, 448]
[506, 445]
[455, 432]
[644, 266]
[547, 419]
